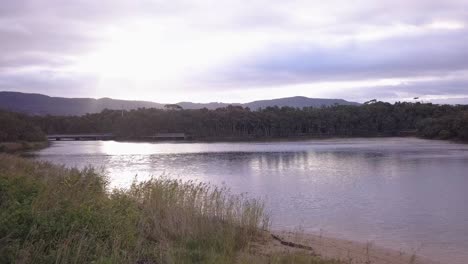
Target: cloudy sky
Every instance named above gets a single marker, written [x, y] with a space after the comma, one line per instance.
[236, 51]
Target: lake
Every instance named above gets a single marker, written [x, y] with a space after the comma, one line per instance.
[402, 193]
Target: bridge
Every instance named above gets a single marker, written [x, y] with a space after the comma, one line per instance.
[59, 137]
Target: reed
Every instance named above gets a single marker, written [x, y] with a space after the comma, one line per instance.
[51, 214]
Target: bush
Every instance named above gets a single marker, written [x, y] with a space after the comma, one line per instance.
[445, 134]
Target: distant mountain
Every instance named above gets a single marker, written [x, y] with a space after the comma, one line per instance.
[213, 105]
[39, 104]
[298, 102]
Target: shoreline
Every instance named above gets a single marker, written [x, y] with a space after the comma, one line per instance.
[264, 139]
[347, 251]
[22, 146]
[245, 140]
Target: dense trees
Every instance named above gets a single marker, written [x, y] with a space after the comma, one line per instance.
[19, 127]
[372, 119]
[446, 127]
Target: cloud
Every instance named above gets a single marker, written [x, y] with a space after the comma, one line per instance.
[451, 89]
[226, 45]
[436, 54]
[49, 82]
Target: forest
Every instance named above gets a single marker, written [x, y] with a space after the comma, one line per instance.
[19, 127]
[370, 119]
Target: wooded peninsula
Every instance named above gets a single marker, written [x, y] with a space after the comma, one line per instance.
[236, 122]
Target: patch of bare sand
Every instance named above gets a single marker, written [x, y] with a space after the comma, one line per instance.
[348, 252]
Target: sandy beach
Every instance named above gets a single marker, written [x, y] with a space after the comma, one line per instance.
[349, 252]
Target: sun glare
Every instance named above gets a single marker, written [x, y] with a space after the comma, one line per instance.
[147, 53]
[132, 55]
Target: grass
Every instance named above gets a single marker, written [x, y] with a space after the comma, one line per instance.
[51, 214]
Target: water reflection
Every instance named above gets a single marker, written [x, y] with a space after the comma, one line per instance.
[400, 192]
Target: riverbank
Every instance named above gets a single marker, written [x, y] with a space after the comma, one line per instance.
[277, 139]
[15, 147]
[53, 214]
[346, 251]
[261, 138]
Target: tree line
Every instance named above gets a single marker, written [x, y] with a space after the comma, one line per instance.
[19, 127]
[373, 119]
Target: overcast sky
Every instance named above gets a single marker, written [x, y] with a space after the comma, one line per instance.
[236, 51]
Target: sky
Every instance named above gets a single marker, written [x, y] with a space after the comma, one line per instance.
[236, 51]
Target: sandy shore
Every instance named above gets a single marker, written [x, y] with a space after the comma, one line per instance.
[350, 252]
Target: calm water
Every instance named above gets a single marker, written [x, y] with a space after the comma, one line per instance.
[408, 194]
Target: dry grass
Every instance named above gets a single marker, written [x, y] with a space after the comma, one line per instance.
[50, 214]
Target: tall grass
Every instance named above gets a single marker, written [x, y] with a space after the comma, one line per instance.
[51, 214]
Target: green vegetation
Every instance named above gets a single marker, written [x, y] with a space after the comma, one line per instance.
[16, 127]
[445, 126]
[371, 119]
[51, 214]
[19, 132]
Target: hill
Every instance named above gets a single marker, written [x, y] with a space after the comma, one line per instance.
[298, 102]
[39, 104]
